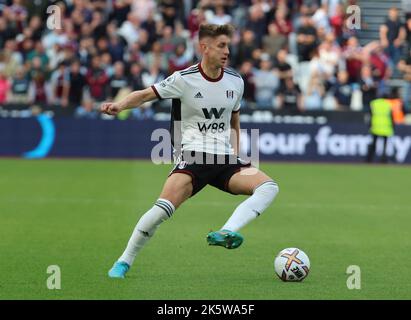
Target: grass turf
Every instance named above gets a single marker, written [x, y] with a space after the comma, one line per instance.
[79, 215]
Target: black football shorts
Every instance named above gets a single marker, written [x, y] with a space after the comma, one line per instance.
[205, 168]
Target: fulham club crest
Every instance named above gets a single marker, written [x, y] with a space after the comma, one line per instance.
[182, 164]
[230, 94]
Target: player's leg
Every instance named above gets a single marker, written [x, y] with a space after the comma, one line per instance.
[177, 188]
[262, 190]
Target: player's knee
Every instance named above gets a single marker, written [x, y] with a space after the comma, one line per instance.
[177, 193]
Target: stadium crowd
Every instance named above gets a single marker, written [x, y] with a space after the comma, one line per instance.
[293, 55]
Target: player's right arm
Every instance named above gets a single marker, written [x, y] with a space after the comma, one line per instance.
[170, 88]
[133, 100]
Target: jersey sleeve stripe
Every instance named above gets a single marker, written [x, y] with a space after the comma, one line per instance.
[232, 73]
[183, 73]
[156, 92]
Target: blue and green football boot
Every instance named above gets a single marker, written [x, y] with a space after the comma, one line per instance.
[225, 238]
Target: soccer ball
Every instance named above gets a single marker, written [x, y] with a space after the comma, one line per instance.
[292, 264]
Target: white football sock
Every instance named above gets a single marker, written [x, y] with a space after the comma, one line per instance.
[145, 228]
[251, 208]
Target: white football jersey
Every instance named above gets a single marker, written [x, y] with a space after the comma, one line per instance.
[201, 108]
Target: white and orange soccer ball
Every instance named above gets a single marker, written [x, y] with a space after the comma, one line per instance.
[292, 264]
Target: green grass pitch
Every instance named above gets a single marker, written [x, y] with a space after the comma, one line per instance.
[79, 215]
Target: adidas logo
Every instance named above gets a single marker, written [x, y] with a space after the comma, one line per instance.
[198, 95]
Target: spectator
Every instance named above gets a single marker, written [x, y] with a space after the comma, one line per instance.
[246, 72]
[121, 9]
[156, 54]
[10, 58]
[290, 97]
[266, 83]
[404, 66]
[168, 42]
[116, 48]
[317, 68]
[149, 25]
[56, 36]
[219, 16]
[37, 8]
[143, 113]
[154, 74]
[321, 19]
[35, 28]
[170, 11]
[181, 35]
[135, 80]
[257, 22]
[282, 68]
[353, 54]
[397, 106]
[306, 39]
[196, 17]
[407, 27]
[337, 20]
[381, 70]
[18, 13]
[342, 91]
[25, 45]
[38, 93]
[332, 6]
[102, 45]
[329, 56]
[59, 86]
[7, 31]
[283, 24]
[143, 8]
[129, 29]
[98, 25]
[313, 98]
[118, 80]
[86, 50]
[181, 59]
[107, 64]
[20, 86]
[392, 35]
[368, 87]
[86, 110]
[78, 18]
[38, 51]
[97, 80]
[245, 47]
[274, 41]
[76, 84]
[134, 54]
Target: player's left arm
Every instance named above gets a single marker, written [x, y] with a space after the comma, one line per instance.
[235, 131]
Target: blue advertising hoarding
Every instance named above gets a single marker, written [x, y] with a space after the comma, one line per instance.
[65, 137]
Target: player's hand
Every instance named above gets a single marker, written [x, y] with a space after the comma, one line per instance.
[110, 108]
